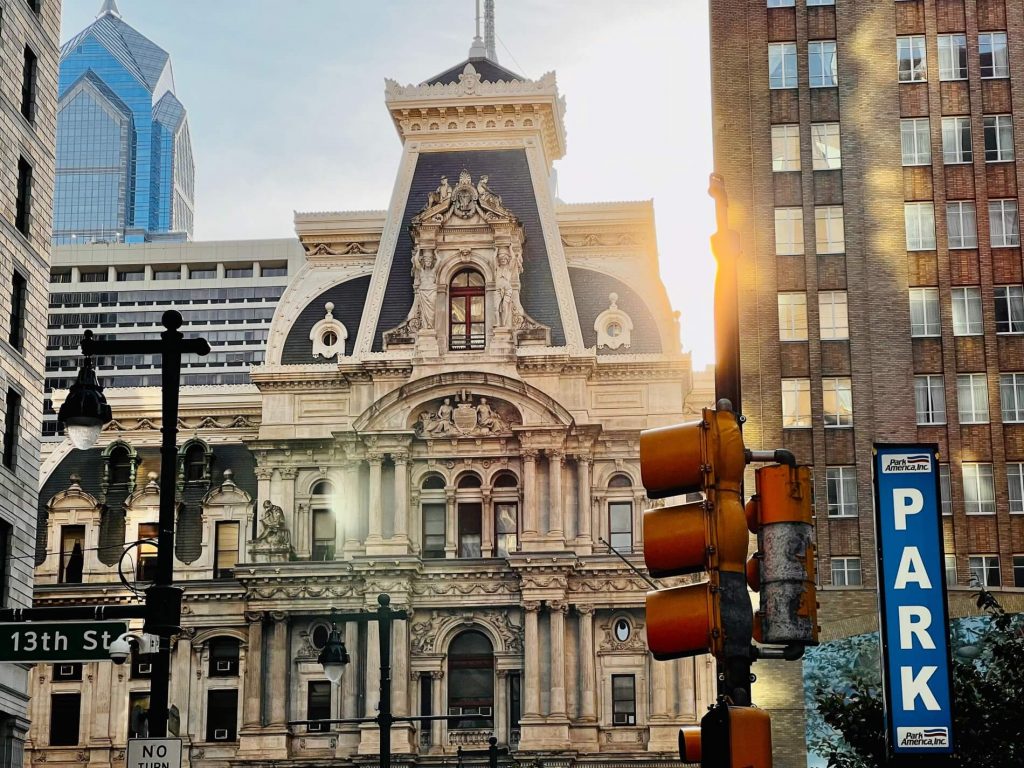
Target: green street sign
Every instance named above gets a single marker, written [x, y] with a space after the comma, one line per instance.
[58, 641]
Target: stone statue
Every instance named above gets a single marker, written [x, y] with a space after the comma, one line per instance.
[425, 289]
[463, 420]
[488, 199]
[506, 298]
[488, 419]
[275, 533]
[444, 417]
[439, 195]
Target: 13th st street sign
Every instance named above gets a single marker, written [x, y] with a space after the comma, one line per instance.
[58, 641]
[912, 596]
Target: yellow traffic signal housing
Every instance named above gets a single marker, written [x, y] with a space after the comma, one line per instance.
[708, 456]
[783, 570]
[730, 737]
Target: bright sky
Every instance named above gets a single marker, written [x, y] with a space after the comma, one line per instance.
[285, 100]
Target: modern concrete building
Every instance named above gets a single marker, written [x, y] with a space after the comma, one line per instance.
[870, 154]
[28, 114]
[226, 291]
[125, 171]
[449, 412]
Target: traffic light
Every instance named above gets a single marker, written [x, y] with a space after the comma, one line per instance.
[729, 737]
[714, 615]
[780, 513]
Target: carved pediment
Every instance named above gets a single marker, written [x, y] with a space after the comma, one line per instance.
[464, 415]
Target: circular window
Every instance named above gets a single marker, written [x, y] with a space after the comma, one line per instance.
[318, 636]
[330, 338]
[622, 630]
[613, 330]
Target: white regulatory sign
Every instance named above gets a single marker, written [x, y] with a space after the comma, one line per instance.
[154, 753]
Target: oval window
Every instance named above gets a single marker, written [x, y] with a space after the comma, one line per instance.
[622, 630]
[330, 338]
[613, 330]
[319, 635]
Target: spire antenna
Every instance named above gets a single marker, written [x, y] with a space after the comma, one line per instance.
[109, 7]
[492, 53]
[477, 49]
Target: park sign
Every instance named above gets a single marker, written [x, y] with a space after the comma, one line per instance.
[912, 604]
[37, 642]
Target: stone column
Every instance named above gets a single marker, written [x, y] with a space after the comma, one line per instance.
[438, 707]
[400, 668]
[586, 524]
[375, 534]
[555, 527]
[529, 493]
[252, 693]
[350, 681]
[451, 524]
[638, 520]
[288, 498]
[659, 693]
[531, 661]
[401, 460]
[557, 616]
[264, 476]
[280, 661]
[416, 529]
[347, 528]
[372, 668]
[588, 663]
[500, 713]
[99, 705]
[181, 677]
[487, 524]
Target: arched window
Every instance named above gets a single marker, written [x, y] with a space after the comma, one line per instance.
[470, 506]
[471, 679]
[620, 513]
[224, 657]
[433, 509]
[120, 466]
[466, 323]
[195, 463]
[506, 514]
[324, 525]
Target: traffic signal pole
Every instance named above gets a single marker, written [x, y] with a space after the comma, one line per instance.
[734, 667]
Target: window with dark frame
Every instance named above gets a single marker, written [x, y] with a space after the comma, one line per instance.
[65, 713]
[323, 535]
[138, 715]
[19, 291]
[5, 559]
[433, 530]
[318, 704]
[623, 700]
[620, 525]
[466, 318]
[28, 85]
[23, 202]
[224, 653]
[470, 529]
[225, 556]
[149, 533]
[119, 466]
[222, 715]
[1018, 570]
[195, 463]
[72, 556]
[471, 680]
[426, 707]
[67, 671]
[12, 426]
[35, 5]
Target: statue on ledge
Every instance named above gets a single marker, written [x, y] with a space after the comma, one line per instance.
[274, 542]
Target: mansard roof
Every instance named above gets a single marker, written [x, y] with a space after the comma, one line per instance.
[590, 290]
[489, 71]
[88, 465]
[348, 298]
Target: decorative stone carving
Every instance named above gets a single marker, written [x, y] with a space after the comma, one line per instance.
[614, 327]
[469, 417]
[273, 545]
[328, 335]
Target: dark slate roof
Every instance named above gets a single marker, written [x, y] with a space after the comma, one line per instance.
[348, 298]
[509, 174]
[88, 465]
[590, 289]
[489, 71]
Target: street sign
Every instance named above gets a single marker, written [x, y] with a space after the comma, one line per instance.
[58, 641]
[912, 604]
[154, 753]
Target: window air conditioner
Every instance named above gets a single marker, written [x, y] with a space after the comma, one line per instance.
[623, 718]
[485, 711]
[220, 734]
[311, 727]
[145, 669]
[223, 666]
[65, 670]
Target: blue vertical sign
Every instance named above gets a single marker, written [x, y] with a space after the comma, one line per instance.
[912, 602]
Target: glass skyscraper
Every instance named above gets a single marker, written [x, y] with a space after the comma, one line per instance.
[124, 156]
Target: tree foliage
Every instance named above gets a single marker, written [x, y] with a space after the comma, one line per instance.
[847, 722]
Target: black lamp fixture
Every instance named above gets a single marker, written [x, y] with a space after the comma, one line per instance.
[85, 410]
[334, 657]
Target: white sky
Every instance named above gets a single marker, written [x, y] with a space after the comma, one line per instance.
[286, 107]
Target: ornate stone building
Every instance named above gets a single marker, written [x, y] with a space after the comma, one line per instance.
[449, 412]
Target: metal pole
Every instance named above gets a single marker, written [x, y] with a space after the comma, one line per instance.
[492, 752]
[384, 719]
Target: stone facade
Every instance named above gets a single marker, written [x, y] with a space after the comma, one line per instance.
[449, 412]
[868, 174]
[28, 79]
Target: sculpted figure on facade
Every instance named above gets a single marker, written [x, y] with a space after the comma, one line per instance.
[439, 195]
[425, 288]
[464, 419]
[274, 542]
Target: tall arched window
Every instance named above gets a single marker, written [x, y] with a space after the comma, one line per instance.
[506, 514]
[433, 508]
[466, 323]
[471, 679]
[470, 506]
[195, 463]
[620, 512]
[120, 464]
[323, 527]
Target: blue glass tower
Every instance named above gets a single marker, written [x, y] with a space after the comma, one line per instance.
[124, 156]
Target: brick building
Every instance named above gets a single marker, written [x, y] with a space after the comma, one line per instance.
[869, 151]
[28, 105]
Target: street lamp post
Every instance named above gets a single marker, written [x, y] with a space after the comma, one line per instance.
[84, 413]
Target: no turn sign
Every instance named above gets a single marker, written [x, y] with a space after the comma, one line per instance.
[154, 753]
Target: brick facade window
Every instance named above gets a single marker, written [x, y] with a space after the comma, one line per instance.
[912, 60]
[822, 64]
[792, 317]
[829, 230]
[1018, 570]
[985, 570]
[1011, 397]
[950, 570]
[846, 572]
[919, 219]
[967, 315]
[924, 312]
[952, 57]
[1015, 483]
[796, 403]
[1009, 306]
[785, 148]
[930, 399]
[837, 402]
[916, 141]
[979, 490]
[826, 148]
[998, 138]
[956, 140]
[1003, 224]
[841, 491]
[945, 490]
[993, 55]
[962, 224]
[789, 231]
[832, 315]
[972, 398]
[782, 65]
